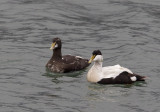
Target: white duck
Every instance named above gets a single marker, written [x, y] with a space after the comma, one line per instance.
[111, 74]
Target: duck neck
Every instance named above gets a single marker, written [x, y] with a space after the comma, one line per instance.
[95, 74]
[57, 54]
[98, 66]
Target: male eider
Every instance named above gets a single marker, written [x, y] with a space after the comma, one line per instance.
[67, 63]
[110, 74]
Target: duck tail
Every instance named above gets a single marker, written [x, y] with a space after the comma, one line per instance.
[140, 78]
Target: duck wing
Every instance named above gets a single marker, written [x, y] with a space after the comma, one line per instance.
[114, 71]
[73, 63]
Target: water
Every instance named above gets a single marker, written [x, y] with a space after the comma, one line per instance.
[126, 31]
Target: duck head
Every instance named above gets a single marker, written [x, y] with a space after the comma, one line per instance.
[96, 56]
[56, 44]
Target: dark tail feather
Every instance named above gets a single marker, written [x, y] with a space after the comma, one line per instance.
[140, 78]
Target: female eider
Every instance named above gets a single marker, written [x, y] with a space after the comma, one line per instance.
[110, 74]
[67, 63]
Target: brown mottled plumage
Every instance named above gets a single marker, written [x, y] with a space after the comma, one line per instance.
[66, 63]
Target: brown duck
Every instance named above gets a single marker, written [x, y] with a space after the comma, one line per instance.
[66, 63]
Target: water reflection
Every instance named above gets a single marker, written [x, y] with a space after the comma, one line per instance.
[111, 93]
[126, 31]
[55, 76]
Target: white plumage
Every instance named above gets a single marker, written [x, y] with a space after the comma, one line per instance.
[97, 72]
[111, 74]
[114, 71]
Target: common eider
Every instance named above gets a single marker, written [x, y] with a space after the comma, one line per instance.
[66, 63]
[111, 74]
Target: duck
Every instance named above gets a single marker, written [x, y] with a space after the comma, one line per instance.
[110, 74]
[66, 63]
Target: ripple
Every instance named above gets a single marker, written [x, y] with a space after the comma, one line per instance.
[127, 33]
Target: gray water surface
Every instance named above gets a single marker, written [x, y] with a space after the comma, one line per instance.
[126, 31]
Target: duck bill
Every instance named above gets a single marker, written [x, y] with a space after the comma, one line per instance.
[53, 45]
[91, 59]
